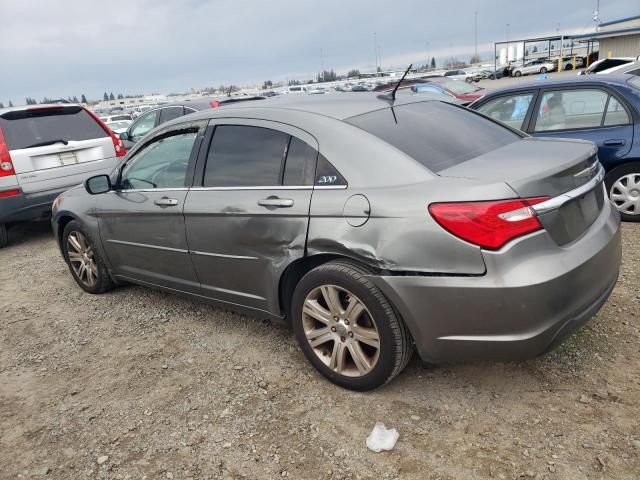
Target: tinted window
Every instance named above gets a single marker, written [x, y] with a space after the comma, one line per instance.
[509, 109]
[616, 114]
[327, 175]
[436, 134]
[300, 164]
[24, 128]
[571, 109]
[161, 164]
[144, 124]
[170, 113]
[243, 156]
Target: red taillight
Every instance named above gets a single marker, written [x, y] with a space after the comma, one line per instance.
[6, 166]
[118, 146]
[491, 224]
[9, 193]
[214, 104]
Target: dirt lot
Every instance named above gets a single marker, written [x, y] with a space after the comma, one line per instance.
[140, 384]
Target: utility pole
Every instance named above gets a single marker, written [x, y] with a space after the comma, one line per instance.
[322, 62]
[380, 55]
[428, 64]
[475, 35]
[375, 49]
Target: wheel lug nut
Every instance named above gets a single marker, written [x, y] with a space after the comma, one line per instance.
[342, 339]
[335, 319]
[351, 334]
[333, 329]
[346, 322]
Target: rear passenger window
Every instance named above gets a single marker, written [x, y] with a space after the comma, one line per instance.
[571, 109]
[616, 114]
[300, 164]
[327, 175]
[242, 156]
[170, 113]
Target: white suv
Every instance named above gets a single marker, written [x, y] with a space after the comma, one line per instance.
[45, 150]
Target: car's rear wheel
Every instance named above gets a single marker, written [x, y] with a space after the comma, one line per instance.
[469, 79]
[623, 185]
[517, 73]
[569, 66]
[84, 260]
[347, 328]
[543, 70]
[4, 235]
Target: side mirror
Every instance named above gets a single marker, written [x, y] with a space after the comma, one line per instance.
[98, 184]
[124, 135]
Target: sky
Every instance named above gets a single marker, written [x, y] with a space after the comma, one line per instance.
[60, 48]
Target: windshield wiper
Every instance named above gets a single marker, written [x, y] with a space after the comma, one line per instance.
[48, 142]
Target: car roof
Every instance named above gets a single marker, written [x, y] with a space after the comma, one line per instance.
[610, 79]
[337, 106]
[38, 106]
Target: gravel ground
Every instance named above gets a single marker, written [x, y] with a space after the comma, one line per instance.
[140, 384]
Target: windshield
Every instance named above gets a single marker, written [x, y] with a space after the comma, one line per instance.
[436, 134]
[458, 87]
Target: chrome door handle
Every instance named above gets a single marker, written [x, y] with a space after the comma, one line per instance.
[166, 202]
[276, 202]
[614, 142]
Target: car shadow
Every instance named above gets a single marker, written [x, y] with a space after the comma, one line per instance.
[21, 233]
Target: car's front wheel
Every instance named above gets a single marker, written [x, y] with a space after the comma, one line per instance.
[623, 185]
[84, 260]
[517, 73]
[543, 70]
[347, 328]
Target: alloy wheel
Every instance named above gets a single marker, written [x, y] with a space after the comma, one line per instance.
[81, 258]
[625, 194]
[340, 330]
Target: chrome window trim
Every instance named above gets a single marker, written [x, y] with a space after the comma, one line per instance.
[557, 202]
[330, 187]
[136, 190]
[274, 187]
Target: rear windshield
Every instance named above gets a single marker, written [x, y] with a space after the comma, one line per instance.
[25, 128]
[436, 134]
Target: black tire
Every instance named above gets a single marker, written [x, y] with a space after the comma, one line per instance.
[492, 77]
[543, 70]
[569, 66]
[4, 235]
[396, 346]
[469, 79]
[517, 73]
[103, 281]
[613, 176]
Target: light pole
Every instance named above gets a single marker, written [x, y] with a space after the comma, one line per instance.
[507, 43]
[428, 65]
[475, 35]
[375, 50]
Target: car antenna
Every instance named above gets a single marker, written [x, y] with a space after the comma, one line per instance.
[392, 96]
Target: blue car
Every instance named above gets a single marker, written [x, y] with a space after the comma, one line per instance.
[604, 110]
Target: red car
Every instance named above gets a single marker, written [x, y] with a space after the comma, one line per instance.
[457, 89]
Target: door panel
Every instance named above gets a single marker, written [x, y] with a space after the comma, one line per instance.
[243, 226]
[586, 114]
[239, 247]
[146, 241]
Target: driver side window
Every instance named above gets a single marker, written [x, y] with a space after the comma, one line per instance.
[143, 125]
[161, 164]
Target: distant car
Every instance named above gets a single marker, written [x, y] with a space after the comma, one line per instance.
[604, 109]
[157, 116]
[459, 74]
[360, 88]
[607, 65]
[489, 74]
[297, 89]
[457, 89]
[119, 126]
[116, 118]
[45, 150]
[533, 67]
[567, 63]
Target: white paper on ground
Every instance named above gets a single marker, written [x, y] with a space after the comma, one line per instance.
[382, 438]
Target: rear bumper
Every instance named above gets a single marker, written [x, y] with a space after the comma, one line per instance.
[533, 295]
[24, 207]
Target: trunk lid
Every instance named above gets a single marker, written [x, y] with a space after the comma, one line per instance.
[535, 167]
